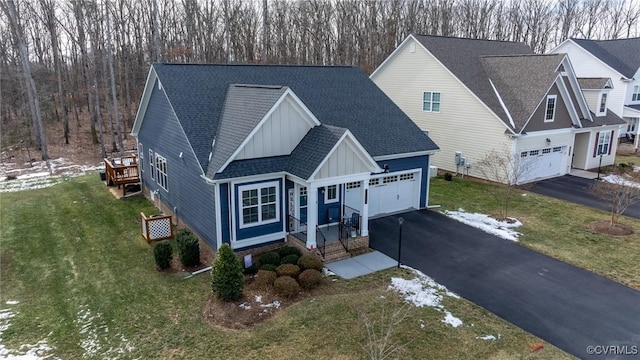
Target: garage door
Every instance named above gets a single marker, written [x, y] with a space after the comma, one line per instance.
[391, 193]
[542, 163]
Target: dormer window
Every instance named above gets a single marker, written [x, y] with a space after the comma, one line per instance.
[550, 112]
[602, 107]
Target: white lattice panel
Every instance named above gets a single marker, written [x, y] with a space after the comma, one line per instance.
[159, 229]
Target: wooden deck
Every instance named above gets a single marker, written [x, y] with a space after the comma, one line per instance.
[122, 171]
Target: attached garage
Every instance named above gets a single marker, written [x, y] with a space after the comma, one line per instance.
[542, 163]
[390, 193]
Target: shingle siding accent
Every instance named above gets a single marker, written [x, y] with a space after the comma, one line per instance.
[188, 193]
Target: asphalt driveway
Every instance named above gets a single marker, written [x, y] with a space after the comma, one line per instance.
[576, 190]
[562, 304]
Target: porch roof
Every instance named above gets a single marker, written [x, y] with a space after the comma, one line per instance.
[610, 119]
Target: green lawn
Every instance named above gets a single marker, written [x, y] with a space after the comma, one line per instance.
[553, 227]
[73, 257]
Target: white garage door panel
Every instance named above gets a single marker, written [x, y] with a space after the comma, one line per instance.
[542, 163]
[391, 193]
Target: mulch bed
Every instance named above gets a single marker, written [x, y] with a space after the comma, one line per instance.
[605, 228]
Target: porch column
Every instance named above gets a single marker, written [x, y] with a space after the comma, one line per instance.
[364, 230]
[312, 216]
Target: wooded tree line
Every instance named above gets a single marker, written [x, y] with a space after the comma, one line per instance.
[76, 68]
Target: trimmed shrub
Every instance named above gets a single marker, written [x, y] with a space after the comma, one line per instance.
[251, 269]
[268, 267]
[269, 258]
[448, 176]
[264, 279]
[188, 247]
[310, 278]
[162, 254]
[310, 262]
[290, 259]
[288, 270]
[227, 279]
[286, 286]
[289, 250]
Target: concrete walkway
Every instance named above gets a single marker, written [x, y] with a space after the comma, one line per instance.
[361, 265]
[583, 174]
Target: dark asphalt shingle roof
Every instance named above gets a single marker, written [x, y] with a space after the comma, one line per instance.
[623, 55]
[521, 92]
[635, 107]
[593, 83]
[463, 58]
[610, 119]
[341, 96]
[302, 162]
[244, 107]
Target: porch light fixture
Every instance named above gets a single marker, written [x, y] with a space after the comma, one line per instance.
[548, 141]
[386, 168]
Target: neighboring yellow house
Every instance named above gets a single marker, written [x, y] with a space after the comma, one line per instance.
[474, 96]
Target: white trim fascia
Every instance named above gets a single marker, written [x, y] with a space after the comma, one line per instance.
[573, 79]
[511, 130]
[393, 55]
[566, 97]
[264, 119]
[144, 101]
[340, 180]
[405, 155]
[504, 107]
[629, 112]
[367, 158]
[218, 212]
[549, 132]
[239, 244]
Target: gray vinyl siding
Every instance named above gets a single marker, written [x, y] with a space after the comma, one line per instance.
[187, 193]
[562, 119]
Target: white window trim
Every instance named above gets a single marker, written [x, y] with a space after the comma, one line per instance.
[258, 187]
[546, 107]
[635, 92]
[606, 97]
[162, 178]
[431, 101]
[326, 195]
[141, 155]
[605, 136]
[152, 165]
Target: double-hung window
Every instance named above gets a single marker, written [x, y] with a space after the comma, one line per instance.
[604, 142]
[431, 101]
[151, 167]
[161, 171]
[602, 109]
[550, 109]
[635, 95]
[331, 194]
[258, 204]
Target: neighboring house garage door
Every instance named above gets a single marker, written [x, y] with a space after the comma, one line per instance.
[542, 163]
[394, 192]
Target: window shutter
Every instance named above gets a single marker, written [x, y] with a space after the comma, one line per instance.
[610, 142]
[595, 148]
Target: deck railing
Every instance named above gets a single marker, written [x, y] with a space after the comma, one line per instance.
[122, 171]
[297, 228]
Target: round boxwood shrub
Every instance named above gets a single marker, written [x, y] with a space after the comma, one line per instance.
[227, 279]
[310, 262]
[289, 250]
[286, 286]
[188, 247]
[270, 258]
[268, 267]
[290, 259]
[288, 270]
[162, 254]
[264, 279]
[310, 278]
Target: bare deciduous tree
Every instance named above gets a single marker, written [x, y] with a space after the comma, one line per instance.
[507, 169]
[620, 190]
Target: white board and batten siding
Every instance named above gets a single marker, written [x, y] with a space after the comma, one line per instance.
[280, 133]
[463, 124]
[343, 161]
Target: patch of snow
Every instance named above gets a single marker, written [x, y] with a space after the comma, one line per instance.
[487, 224]
[617, 179]
[12, 302]
[488, 337]
[37, 351]
[327, 272]
[93, 337]
[41, 174]
[275, 304]
[245, 306]
[424, 291]
[258, 298]
[422, 324]
[451, 320]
